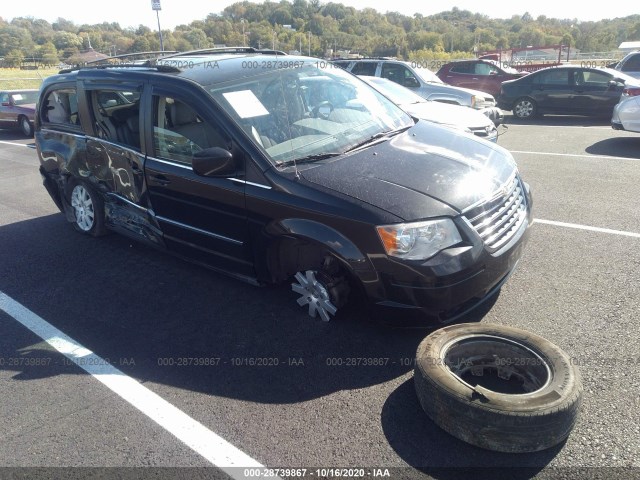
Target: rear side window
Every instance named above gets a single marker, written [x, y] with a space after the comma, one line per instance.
[60, 106]
[116, 116]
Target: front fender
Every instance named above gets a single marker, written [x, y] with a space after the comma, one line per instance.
[317, 234]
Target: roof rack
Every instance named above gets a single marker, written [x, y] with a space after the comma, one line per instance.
[143, 56]
[147, 64]
[223, 50]
[366, 58]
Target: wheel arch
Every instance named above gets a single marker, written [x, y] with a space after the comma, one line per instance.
[289, 245]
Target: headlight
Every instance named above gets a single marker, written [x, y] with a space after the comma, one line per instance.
[477, 102]
[420, 240]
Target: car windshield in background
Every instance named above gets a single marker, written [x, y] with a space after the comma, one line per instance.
[622, 76]
[24, 98]
[396, 93]
[308, 112]
[426, 74]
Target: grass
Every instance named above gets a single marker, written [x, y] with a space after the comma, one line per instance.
[14, 78]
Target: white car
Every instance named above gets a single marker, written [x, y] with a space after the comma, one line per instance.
[626, 114]
[463, 118]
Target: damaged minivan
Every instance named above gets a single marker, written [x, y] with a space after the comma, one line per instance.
[274, 169]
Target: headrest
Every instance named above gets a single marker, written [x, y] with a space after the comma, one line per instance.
[182, 114]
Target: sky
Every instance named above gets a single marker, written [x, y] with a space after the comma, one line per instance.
[132, 13]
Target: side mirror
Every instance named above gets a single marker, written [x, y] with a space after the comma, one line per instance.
[6, 104]
[213, 162]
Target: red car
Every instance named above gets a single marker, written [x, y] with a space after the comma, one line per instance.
[17, 108]
[483, 75]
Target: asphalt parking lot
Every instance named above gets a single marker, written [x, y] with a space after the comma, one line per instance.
[270, 386]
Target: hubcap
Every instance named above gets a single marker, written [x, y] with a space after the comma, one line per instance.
[524, 109]
[314, 294]
[83, 207]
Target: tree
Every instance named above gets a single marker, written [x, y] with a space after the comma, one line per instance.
[48, 54]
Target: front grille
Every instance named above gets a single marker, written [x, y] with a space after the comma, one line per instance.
[484, 132]
[498, 220]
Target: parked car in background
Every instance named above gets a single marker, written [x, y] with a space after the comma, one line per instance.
[630, 64]
[278, 169]
[455, 116]
[17, 109]
[626, 114]
[483, 75]
[424, 82]
[565, 90]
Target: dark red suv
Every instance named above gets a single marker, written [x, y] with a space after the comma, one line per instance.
[483, 75]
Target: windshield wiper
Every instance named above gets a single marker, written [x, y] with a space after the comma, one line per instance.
[378, 136]
[308, 159]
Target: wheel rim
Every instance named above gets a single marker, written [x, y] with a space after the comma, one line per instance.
[83, 208]
[313, 293]
[497, 364]
[524, 109]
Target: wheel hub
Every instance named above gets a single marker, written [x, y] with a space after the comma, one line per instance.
[315, 294]
[83, 207]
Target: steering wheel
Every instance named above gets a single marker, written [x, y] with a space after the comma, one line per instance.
[323, 110]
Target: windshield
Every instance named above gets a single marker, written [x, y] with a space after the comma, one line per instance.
[396, 93]
[426, 74]
[628, 79]
[308, 112]
[24, 98]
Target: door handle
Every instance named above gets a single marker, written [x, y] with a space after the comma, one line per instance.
[160, 180]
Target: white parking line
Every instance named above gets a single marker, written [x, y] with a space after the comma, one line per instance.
[196, 436]
[586, 227]
[594, 127]
[607, 157]
[16, 144]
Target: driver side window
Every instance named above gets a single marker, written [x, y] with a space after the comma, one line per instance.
[179, 131]
[399, 74]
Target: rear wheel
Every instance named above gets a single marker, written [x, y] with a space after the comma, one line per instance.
[88, 209]
[25, 127]
[525, 108]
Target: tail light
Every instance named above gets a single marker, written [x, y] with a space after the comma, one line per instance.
[631, 92]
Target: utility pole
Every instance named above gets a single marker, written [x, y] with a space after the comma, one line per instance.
[155, 5]
[309, 42]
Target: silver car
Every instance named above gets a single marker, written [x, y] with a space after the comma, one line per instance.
[630, 64]
[424, 82]
[626, 114]
[455, 116]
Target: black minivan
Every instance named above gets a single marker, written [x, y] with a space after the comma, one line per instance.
[272, 167]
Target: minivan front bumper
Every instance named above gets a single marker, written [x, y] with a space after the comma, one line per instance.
[447, 286]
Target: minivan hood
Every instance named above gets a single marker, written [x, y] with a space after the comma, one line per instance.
[427, 170]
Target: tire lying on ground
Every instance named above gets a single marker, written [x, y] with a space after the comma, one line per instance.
[497, 387]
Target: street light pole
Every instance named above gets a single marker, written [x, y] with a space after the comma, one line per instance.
[155, 5]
